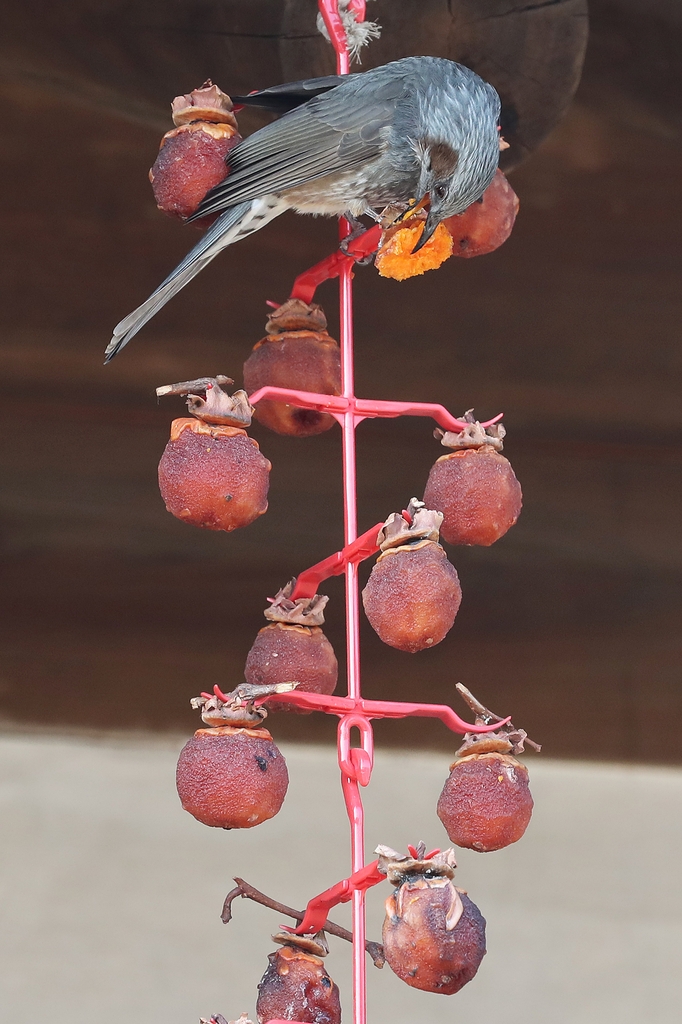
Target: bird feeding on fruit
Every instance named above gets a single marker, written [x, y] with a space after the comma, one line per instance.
[349, 145]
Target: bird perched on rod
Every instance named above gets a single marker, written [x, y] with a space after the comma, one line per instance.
[351, 144]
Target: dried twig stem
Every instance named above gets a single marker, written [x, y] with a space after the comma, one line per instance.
[475, 705]
[375, 949]
[185, 387]
[486, 716]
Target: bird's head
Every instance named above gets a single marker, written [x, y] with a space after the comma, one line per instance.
[456, 169]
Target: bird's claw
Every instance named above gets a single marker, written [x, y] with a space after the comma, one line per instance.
[366, 261]
[357, 230]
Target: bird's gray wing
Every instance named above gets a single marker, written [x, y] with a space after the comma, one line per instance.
[330, 133]
[281, 98]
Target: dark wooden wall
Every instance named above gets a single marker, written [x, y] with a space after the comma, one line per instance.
[114, 613]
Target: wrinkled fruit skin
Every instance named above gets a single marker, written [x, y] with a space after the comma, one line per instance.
[486, 224]
[420, 949]
[300, 360]
[478, 494]
[284, 653]
[231, 778]
[486, 803]
[296, 986]
[219, 483]
[191, 161]
[412, 596]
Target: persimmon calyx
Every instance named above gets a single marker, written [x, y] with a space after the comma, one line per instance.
[217, 406]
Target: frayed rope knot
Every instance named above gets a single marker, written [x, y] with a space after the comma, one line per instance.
[358, 33]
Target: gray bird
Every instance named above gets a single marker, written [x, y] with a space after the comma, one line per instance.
[349, 145]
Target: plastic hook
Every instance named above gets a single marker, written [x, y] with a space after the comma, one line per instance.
[356, 762]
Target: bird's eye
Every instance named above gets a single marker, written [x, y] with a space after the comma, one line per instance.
[440, 191]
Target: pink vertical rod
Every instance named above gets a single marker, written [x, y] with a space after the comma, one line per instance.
[351, 789]
[350, 509]
[355, 809]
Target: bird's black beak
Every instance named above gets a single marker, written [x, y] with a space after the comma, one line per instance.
[430, 225]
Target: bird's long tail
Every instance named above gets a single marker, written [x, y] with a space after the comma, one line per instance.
[231, 226]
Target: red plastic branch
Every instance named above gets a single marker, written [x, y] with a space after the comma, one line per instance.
[318, 908]
[370, 709]
[364, 547]
[356, 712]
[309, 281]
[364, 408]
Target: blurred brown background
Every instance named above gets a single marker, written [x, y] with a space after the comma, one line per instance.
[114, 613]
